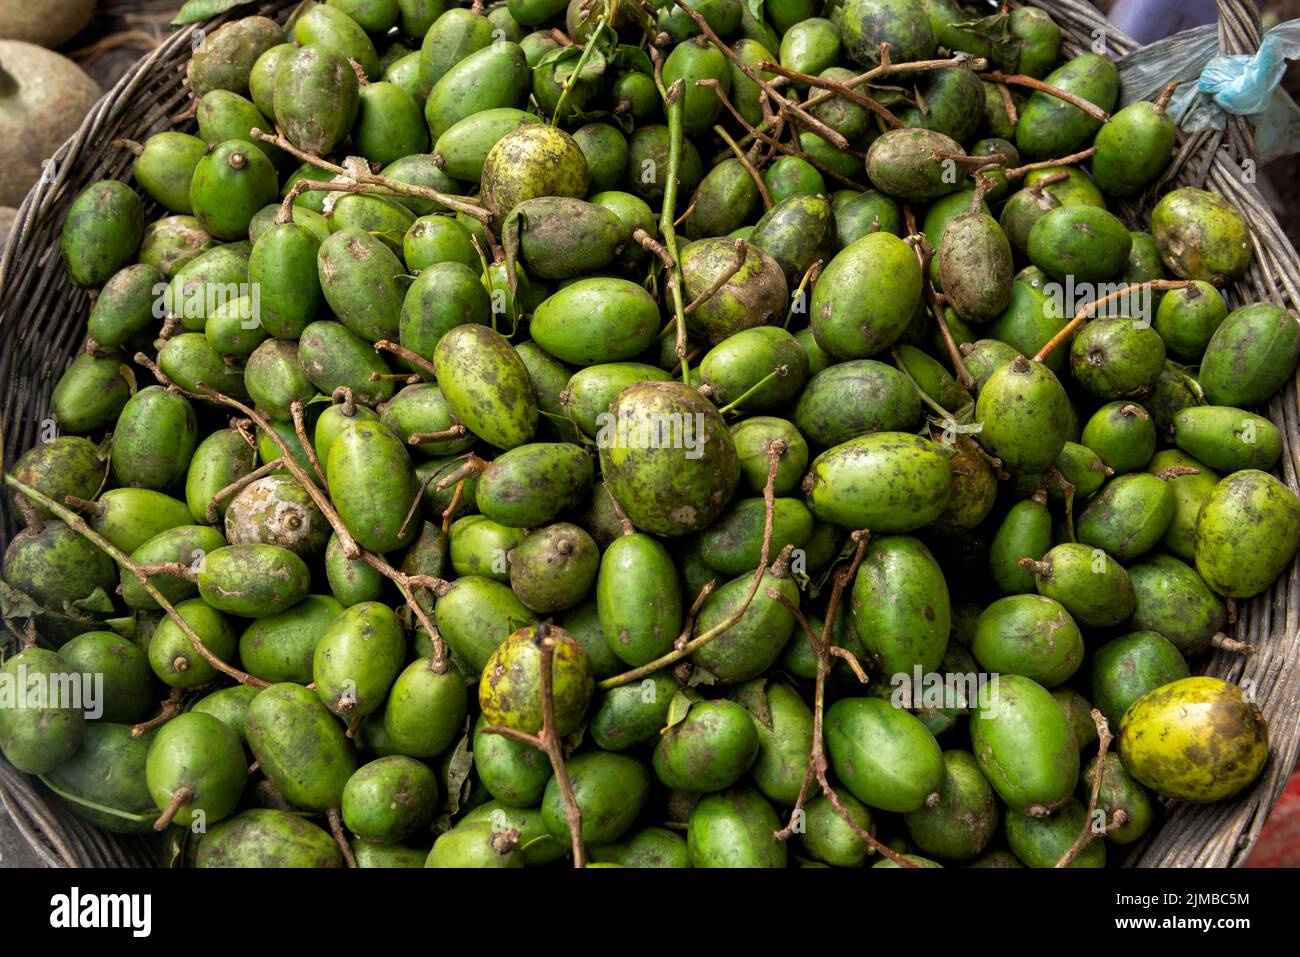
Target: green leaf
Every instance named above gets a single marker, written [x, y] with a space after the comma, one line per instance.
[97, 601]
[755, 8]
[680, 707]
[757, 704]
[197, 10]
[634, 59]
[558, 54]
[17, 604]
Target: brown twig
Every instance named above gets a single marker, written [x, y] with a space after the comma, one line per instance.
[1033, 83]
[783, 104]
[179, 797]
[171, 707]
[460, 204]
[1119, 818]
[548, 740]
[924, 253]
[308, 446]
[137, 571]
[213, 513]
[1018, 171]
[646, 241]
[754, 174]
[341, 839]
[841, 90]
[739, 255]
[456, 431]
[1155, 285]
[413, 358]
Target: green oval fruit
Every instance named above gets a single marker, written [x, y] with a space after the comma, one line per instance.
[372, 484]
[883, 754]
[1133, 148]
[1201, 236]
[866, 296]
[609, 789]
[1025, 532]
[1125, 669]
[1028, 635]
[154, 439]
[512, 772]
[785, 727]
[1052, 127]
[554, 567]
[357, 659]
[734, 828]
[253, 580]
[900, 606]
[301, 747]
[173, 656]
[960, 826]
[1119, 792]
[708, 750]
[425, 710]
[1025, 746]
[904, 25]
[638, 598]
[39, 729]
[596, 320]
[1128, 516]
[101, 232]
[1252, 354]
[487, 385]
[389, 799]
[1227, 439]
[1025, 415]
[495, 76]
[753, 295]
[885, 481]
[529, 162]
[1247, 533]
[1041, 841]
[1174, 601]
[231, 183]
[197, 752]
[1093, 587]
[108, 774]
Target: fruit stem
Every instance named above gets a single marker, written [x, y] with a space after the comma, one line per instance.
[1068, 330]
[421, 438]
[924, 253]
[131, 145]
[1039, 568]
[96, 509]
[1224, 642]
[78, 525]
[413, 358]
[308, 446]
[179, 797]
[171, 707]
[822, 647]
[1033, 83]
[777, 145]
[779, 372]
[1173, 471]
[810, 277]
[839, 89]
[667, 214]
[1166, 95]
[623, 520]
[1090, 833]
[336, 828]
[648, 242]
[1008, 103]
[1018, 171]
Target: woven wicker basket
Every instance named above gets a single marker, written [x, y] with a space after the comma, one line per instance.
[42, 325]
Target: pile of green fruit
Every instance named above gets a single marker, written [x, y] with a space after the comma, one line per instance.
[623, 431]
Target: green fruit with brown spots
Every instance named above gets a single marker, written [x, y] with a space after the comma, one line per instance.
[554, 567]
[154, 439]
[372, 484]
[1125, 669]
[65, 465]
[101, 232]
[900, 605]
[673, 482]
[975, 266]
[301, 747]
[253, 580]
[797, 232]
[1227, 439]
[195, 751]
[866, 297]
[753, 643]
[1025, 415]
[173, 656]
[1128, 517]
[785, 726]
[1119, 792]
[357, 659]
[1247, 533]
[39, 732]
[885, 481]
[903, 24]
[532, 161]
[1052, 127]
[734, 828]
[531, 485]
[962, 823]
[638, 598]
[883, 754]
[610, 791]
[389, 799]
[1195, 740]
[1028, 635]
[1201, 236]
[1041, 841]
[753, 295]
[510, 690]
[487, 385]
[909, 164]
[1173, 600]
[231, 183]
[1252, 354]
[596, 320]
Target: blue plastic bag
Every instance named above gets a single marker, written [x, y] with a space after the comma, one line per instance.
[1214, 86]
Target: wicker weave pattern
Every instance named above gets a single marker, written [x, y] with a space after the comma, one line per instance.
[42, 325]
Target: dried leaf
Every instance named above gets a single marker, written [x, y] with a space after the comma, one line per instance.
[458, 768]
[680, 707]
